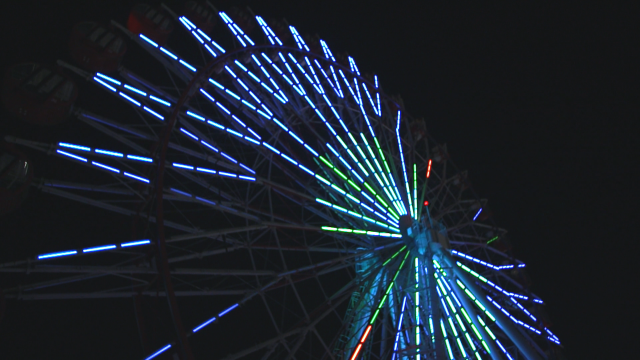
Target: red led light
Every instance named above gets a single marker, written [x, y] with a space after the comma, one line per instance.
[426, 203]
[429, 169]
[366, 333]
[355, 353]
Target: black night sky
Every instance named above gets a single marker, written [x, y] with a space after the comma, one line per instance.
[540, 102]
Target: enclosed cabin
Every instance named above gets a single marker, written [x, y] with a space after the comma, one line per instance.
[96, 48]
[152, 22]
[200, 14]
[16, 175]
[38, 94]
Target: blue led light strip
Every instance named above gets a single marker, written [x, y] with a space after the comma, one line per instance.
[336, 87]
[200, 35]
[477, 214]
[203, 200]
[327, 52]
[238, 98]
[360, 232]
[353, 66]
[212, 172]
[404, 168]
[394, 196]
[513, 318]
[235, 29]
[130, 88]
[109, 168]
[297, 86]
[451, 324]
[165, 348]
[486, 311]
[221, 314]
[446, 291]
[299, 41]
[93, 249]
[130, 99]
[103, 152]
[373, 105]
[355, 214]
[280, 95]
[490, 283]
[218, 126]
[169, 54]
[398, 332]
[315, 85]
[329, 184]
[484, 263]
[273, 38]
[361, 192]
[217, 151]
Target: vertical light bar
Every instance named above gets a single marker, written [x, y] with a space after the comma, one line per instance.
[395, 345]
[404, 168]
[415, 191]
[417, 302]
[380, 305]
[429, 169]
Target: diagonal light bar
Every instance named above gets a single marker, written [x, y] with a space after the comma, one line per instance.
[202, 38]
[404, 168]
[398, 332]
[273, 38]
[448, 291]
[484, 263]
[490, 283]
[235, 29]
[356, 215]
[361, 232]
[367, 330]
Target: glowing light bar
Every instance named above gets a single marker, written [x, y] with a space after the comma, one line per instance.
[519, 322]
[107, 152]
[235, 29]
[491, 266]
[136, 177]
[156, 99]
[99, 248]
[395, 344]
[109, 79]
[361, 232]
[104, 84]
[490, 283]
[204, 324]
[158, 352]
[135, 90]
[478, 213]
[71, 155]
[73, 146]
[106, 167]
[153, 113]
[57, 254]
[429, 169]
[187, 65]
[149, 41]
[140, 158]
[227, 310]
[135, 243]
[415, 191]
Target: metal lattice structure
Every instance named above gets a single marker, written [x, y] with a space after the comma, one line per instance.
[315, 199]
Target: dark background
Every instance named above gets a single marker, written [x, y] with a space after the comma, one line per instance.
[540, 102]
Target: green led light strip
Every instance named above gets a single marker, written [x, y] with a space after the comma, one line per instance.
[361, 232]
[357, 215]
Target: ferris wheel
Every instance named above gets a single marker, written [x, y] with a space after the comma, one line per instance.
[266, 173]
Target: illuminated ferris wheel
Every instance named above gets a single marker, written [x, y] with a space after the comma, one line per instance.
[270, 175]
